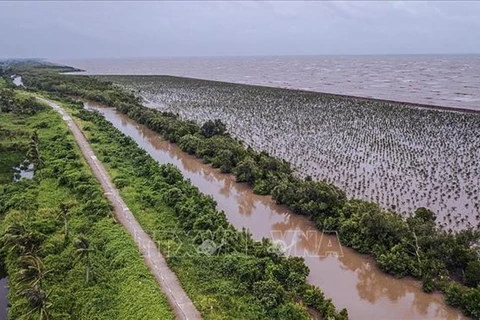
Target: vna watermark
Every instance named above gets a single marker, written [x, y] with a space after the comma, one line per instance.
[311, 243]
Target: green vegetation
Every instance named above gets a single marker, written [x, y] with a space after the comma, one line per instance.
[18, 66]
[65, 256]
[246, 279]
[412, 246]
[17, 144]
[18, 103]
[397, 155]
[225, 272]
[401, 247]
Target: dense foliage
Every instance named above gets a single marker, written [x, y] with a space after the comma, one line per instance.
[226, 273]
[65, 256]
[401, 247]
[412, 246]
[12, 101]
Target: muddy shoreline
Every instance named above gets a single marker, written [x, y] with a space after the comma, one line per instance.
[396, 103]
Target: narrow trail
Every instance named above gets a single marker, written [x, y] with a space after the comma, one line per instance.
[179, 301]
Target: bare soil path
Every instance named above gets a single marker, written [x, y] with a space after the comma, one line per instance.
[179, 301]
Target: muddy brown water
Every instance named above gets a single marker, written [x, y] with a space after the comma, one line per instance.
[351, 280]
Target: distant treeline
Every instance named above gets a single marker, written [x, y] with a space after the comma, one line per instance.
[413, 246]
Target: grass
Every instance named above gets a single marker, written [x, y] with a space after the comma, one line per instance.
[213, 296]
[122, 286]
[3, 82]
[217, 293]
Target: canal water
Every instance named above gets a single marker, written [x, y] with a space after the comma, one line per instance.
[351, 280]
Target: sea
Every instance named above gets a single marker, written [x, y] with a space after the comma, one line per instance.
[440, 80]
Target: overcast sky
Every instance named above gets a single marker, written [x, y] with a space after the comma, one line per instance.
[92, 29]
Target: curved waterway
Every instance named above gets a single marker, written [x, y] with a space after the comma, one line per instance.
[351, 280]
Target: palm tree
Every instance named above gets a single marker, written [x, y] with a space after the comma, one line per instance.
[38, 303]
[84, 251]
[32, 271]
[64, 211]
[18, 238]
[33, 153]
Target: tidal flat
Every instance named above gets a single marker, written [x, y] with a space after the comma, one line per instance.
[401, 156]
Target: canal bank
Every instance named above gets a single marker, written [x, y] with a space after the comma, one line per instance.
[350, 279]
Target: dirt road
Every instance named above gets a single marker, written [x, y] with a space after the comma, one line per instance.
[179, 301]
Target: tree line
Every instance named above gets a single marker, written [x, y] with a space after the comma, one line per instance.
[413, 246]
[255, 269]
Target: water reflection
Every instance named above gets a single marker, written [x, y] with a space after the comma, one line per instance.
[23, 171]
[17, 80]
[351, 279]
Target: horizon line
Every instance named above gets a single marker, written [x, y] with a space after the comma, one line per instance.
[51, 59]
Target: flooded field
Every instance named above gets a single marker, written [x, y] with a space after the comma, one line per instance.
[443, 80]
[350, 279]
[400, 156]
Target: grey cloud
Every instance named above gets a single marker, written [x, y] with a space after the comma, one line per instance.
[178, 28]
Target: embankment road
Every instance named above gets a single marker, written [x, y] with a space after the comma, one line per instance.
[179, 301]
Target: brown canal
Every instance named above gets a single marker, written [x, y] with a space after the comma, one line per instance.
[351, 280]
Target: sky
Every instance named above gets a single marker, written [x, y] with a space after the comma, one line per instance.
[94, 29]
